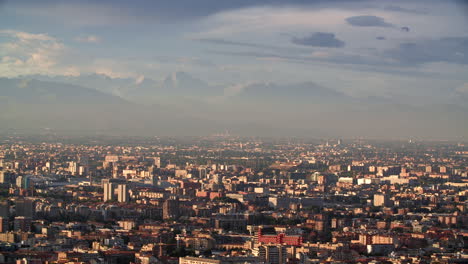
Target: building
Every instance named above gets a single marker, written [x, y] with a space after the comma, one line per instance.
[171, 209]
[127, 225]
[193, 260]
[429, 169]
[5, 177]
[154, 180]
[268, 235]
[49, 166]
[230, 222]
[73, 167]
[202, 173]
[381, 200]
[24, 207]
[4, 225]
[112, 158]
[19, 181]
[272, 254]
[23, 182]
[380, 249]
[109, 189]
[22, 223]
[122, 193]
[157, 162]
[4, 209]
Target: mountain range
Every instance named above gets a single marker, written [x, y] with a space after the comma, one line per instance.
[184, 105]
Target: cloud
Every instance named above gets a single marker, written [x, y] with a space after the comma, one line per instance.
[404, 10]
[367, 21]
[451, 49]
[25, 36]
[27, 53]
[106, 12]
[88, 39]
[24, 53]
[319, 39]
[262, 21]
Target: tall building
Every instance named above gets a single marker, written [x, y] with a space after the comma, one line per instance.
[4, 225]
[83, 167]
[122, 193]
[171, 209]
[202, 173]
[49, 166]
[22, 223]
[115, 171]
[73, 167]
[157, 162]
[4, 209]
[24, 207]
[82, 170]
[23, 182]
[26, 182]
[5, 177]
[217, 179]
[154, 180]
[109, 189]
[19, 181]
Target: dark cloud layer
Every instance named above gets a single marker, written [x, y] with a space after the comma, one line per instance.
[319, 39]
[171, 10]
[367, 21]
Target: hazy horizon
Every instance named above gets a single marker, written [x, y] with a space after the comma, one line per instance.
[319, 69]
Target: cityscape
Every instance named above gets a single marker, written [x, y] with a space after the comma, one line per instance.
[233, 132]
[224, 199]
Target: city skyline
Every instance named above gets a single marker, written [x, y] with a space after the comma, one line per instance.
[230, 200]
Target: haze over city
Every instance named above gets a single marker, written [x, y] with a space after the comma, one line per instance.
[376, 69]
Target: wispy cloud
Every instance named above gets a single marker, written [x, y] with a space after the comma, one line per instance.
[88, 39]
[396, 8]
[266, 20]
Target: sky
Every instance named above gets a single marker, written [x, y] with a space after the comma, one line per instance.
[417, 50]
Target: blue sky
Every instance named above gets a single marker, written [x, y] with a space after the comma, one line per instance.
[416, 49]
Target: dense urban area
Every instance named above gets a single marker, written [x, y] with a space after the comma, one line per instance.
[230, 200]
